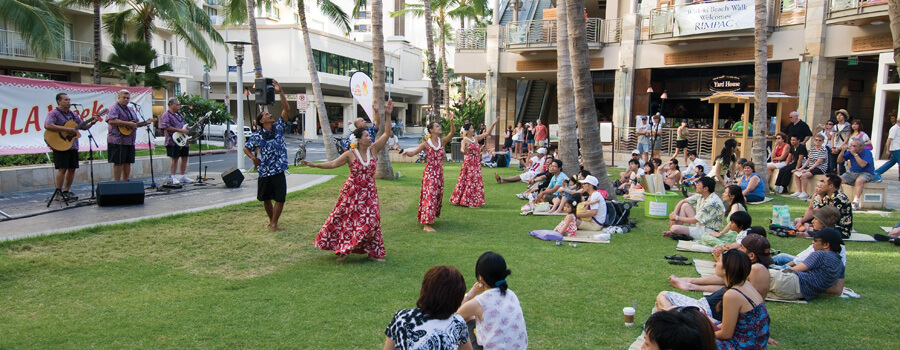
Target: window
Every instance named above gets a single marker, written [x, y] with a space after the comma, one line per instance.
[363, 15]
[400, 21]
[211, 11]
[346, 66]
[364, 28]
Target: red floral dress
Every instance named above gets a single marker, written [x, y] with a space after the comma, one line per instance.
[469, 190]
[432, 184]
[354, 225]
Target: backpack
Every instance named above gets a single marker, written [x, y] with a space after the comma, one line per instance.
[617, 213]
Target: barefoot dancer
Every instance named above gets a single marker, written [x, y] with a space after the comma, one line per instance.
[433, 176]
[469, 189]
[269, 140]
[354, 225]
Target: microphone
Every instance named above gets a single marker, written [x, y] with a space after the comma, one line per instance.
[78, 104]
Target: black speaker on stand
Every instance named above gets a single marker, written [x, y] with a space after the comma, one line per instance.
[120, 193]
[232, 178]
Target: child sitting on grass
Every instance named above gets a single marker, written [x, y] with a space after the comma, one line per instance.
[691, 180]
[738, 222]
[569, 225]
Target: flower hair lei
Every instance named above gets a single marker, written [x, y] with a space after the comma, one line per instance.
[353, 143]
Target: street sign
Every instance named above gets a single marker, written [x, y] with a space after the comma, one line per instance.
[302, 102]
[232, 69]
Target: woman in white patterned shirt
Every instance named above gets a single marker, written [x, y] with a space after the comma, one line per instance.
[816, 164]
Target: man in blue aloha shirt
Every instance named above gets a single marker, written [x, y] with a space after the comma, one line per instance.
[269, 140]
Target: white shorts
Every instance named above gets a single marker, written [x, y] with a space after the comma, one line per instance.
[778, 165]
[527, 176]
[698, 231]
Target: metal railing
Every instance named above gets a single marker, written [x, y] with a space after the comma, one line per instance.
[699, 140]
[841, 8]
[179, 64]
[542, 33]
[80, 52]
[790, 12]
[471, 39]
[661, 23]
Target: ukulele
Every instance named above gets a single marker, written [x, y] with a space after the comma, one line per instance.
[61, 141]
[127, 130]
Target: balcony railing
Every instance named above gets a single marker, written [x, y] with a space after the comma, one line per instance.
[790, 12]
[542, 33]
[661, 23]
[471, 39]
[699, 140]
[842, 8]
[179, 64]
[12, 44]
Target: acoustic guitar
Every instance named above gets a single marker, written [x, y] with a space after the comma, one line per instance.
[61, 141]
[127, 130]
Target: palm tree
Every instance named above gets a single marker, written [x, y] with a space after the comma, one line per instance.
[568, 139]
[586, 114]
[428, 9]
[96, 5]
[183, 17]
[432, 69]
[240, 11]
[336, 14]
[760, 110]
[129, 57]
[384, 170]
[39, 22]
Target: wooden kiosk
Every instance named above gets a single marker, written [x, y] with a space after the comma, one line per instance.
[745, 98]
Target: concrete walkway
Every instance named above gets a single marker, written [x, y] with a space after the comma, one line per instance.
[32, 217]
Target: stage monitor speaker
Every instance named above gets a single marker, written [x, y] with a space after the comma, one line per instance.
[120, 193]
[232, 178]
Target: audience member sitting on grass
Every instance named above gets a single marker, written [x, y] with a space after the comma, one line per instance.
[649, 169]
[862, 168]
[569, 225]
[533, 167]
[500, 158]
[572, 187]
[672, 176]
[724, 162]
[823, 218]
[737, 222]
[703, 211]
[628, 177]
[816, 164]
[594, 216]
[551, 193]
[752, 186]
[434, 320]
[745, 319]
[538, 183]
[755, 246]
[699, 171]
[797, 158]
[818, 273]
[893, 236]
[681, 328]
[780, 152]
[499, 323]
[694, 162]
[828, 192]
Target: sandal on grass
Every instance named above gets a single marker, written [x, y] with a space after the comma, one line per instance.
[681, 237]
[676, 257]
[680, 262]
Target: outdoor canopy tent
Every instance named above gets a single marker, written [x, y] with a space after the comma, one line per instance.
[745, 98]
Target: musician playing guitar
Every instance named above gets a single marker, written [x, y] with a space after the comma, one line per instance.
[123, 121]
[172, 121]
[65, 162]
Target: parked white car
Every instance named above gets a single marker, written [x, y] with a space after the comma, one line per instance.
[227, 132]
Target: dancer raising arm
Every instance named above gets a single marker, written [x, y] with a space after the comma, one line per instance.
[354, 226]
[432, 194]
[469, 189]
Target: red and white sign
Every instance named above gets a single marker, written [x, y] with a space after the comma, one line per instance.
[302, 102]
[362, 90]
[25, 104]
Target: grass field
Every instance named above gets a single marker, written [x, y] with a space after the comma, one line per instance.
[219, 279]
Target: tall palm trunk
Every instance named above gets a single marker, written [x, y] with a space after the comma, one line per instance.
[432, 66]
[254, 40]
[760, 110]
[444, 66]
[586, 114]
[330, 152]
[568, 139]
[383, 169]
[462, 78]
[98, 42]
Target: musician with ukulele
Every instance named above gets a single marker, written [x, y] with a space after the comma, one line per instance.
[172, 121]
[66, 162]
[123, 122]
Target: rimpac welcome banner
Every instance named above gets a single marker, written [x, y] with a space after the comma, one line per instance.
[711, 17]
[25, 104]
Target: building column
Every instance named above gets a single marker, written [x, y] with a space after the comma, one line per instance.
[493, 82]
[310, 119]
[816, 71]
[401, 116]
[349, 115]
[885, 60]
[624, 89]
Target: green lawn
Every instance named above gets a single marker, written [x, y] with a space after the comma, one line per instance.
[219, 279]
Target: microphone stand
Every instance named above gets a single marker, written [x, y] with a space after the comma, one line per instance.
[91, 144]
[201, 177]
[137, 108]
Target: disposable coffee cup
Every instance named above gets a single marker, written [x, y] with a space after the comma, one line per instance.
[629, 316]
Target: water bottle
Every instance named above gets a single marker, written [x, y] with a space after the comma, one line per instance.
[558, 243]
[573, 244]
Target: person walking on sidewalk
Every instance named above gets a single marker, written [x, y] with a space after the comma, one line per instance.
[891, 148]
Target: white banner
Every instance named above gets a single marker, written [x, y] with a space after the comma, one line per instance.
[362, 90]
[711, 17]
[25, 104]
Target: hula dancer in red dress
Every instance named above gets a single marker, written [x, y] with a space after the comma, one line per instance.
[433, 176]
[469, 191]
[354, 225]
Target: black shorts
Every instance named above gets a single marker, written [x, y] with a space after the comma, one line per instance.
[816, 171]
[272, 187]
[176, 151]
[65, 159]
[121, 154]
[681, 143]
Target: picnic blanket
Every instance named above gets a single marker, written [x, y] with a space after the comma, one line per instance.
[708, 268]
[858, 237]
[587, 238]
[546, 213]
[767, 199]
[691, 246]
[887, 229]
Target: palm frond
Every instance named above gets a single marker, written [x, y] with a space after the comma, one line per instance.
[358, 5]
[334, 13]
[39, 22]
[235, 12]
[121, 23]
[417, 10]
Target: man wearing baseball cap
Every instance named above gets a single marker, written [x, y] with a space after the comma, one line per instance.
[636, 155]
[534, 167]
[595, 217]
[821, 272]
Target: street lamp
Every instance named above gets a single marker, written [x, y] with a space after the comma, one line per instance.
[390, 64]
[663, 97]
[239, 59]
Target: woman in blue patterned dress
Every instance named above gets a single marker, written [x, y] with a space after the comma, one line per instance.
[745, 319]
[434, 323]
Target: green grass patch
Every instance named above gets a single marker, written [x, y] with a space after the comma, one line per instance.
[219, 279]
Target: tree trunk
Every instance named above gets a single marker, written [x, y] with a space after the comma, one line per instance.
[98, 43]
[383, 169]
[568, 137]
[432, 66]
[444, 66]
[586, 114]
[254, 41]
[894, 16]
[760, 110]
[330, 151]
[462, 78]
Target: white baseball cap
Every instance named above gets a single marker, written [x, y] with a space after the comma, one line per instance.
[590, 179]
[635, 152]
[542, 150]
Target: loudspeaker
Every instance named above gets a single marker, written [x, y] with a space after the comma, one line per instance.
[265, 91]
[120, 193]
[232, 178]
